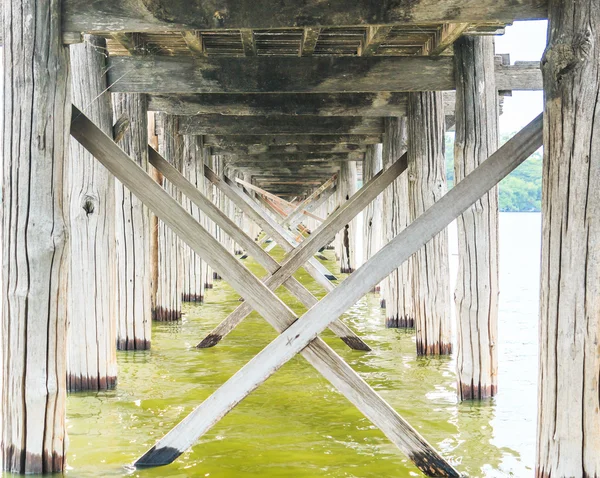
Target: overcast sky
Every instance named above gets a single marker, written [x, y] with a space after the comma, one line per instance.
[524, 41]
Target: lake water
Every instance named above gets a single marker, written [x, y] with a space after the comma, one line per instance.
[296, 424]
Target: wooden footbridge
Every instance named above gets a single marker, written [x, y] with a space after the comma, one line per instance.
[223, 119]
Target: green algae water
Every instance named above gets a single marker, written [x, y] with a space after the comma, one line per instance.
[296, 424]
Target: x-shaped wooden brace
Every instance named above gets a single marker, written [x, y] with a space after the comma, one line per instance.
[301, 335]
[239, 236]
[306, 249]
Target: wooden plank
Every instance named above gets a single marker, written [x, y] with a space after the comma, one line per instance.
[193, 40]
[310, 37]
[302, 332]
[305, 250]
[376, 35]
[317, 74]
[295, 158]
[132, 42]
[251, 149]
[250, 125]
[248, 43]
[323, 358]
[186, 75]
[240, 237]
[138, 15]
[300, 207]
[316, 104]
[283, 140]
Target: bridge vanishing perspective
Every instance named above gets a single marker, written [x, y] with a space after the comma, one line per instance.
[147, 143]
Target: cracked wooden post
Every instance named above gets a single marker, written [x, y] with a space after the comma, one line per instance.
[426, 185]
[476, 293]
[168, 295]
[372, 220]
[133, 234]
[90, 205]
[568, 436]
[397, 290]
[346, 238]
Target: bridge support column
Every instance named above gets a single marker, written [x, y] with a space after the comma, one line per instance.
[346, 240]
[372, 221]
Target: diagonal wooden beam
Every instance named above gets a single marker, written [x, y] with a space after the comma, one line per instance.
[300, 207]
[239, 236]
[193, 40]
[376, 35]
[310, 36]
[273, 197]
[300, 334]
[306, 249]
[321, 356]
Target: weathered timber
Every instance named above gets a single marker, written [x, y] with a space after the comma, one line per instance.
[283, 140]
[372, 216]
[450, 32]
[133, 230]
[306, 249]
[323, 358]
[568, 434]
[315, 104]
[376, 35]
[253, 149]
[301, 333]
[90, 206]
[153, 141]
[239, 236]
[187, 75]
[170, 268]
[207, 223]
[397, 286]
[35, 250]
[426, 185]
[303, 158]
[346, 238]
[477, 288]
[136, 15]
[193, 171]
[302, 205]
[251, 125]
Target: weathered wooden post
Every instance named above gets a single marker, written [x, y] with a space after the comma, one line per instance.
[397, 287]
[208, 224]
[346, 241]
[372, 220]
[153, 141]
[168, 296]
[568, 410]
[133, 232]
[476, 293]
[192, 264]
[33, 336]
[427, 184]
[90, 203]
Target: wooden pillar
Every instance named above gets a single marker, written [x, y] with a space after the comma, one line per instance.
[168, 295]
[218, 166]
[346, 240]
[35, 250]
[476, 293]
[397, 287]
[372, 220]
[90, 202]
[426, 185]
[153, 141]
[192, 265]
[208, 224]
[133, 232]
[568, 441]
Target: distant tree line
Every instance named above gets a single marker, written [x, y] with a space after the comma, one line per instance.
[520, 191]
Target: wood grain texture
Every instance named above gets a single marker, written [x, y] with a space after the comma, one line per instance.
[137, 15]
[133, 230]
[323, 358]
[35, 251]
[397, 287]
[255, 149]
[299, 337]
[372, 215]
[90, 202]
[346, 237]
[477, 284]
[426, 185]
[285, 140]
[568, 435]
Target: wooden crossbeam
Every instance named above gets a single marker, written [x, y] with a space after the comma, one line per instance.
[310, 36]
[305, 250]
[323, 358]
[253, 149]
[138, 15]
[277, 199]
[193, 40]
[248, 43]
[317, 74]
[239, 236]
[300, 208]
[222, 124]
[301, 333]
[284, 140]
[302, 158]
[376, 35]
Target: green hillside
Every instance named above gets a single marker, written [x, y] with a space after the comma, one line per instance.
[521, 191]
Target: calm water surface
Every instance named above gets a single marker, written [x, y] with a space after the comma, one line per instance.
[296, 424]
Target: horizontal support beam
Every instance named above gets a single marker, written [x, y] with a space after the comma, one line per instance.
[179, 15]
[296, 157]
[284, 140]
[253, 149]
[186, 75]
[316, 104]
[234, 125]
